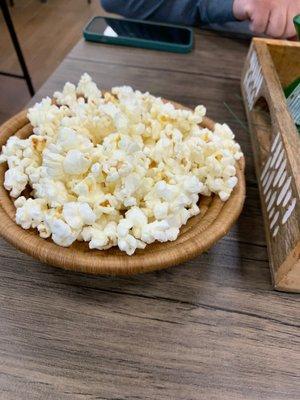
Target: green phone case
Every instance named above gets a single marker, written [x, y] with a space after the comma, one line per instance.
[134, 42]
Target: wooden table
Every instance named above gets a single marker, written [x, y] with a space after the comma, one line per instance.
[212, 328]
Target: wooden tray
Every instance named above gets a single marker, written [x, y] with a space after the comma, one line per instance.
[271, 65]
[198, 235]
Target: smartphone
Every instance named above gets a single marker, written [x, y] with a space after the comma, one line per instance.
[148, 35]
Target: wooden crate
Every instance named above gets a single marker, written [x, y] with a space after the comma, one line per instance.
[271, 65]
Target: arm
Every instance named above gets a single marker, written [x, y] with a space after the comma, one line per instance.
[184, 12]
[271, 17]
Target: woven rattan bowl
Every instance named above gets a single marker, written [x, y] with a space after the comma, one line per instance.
[198, 235]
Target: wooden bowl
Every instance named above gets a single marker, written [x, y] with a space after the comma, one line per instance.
[198, 235]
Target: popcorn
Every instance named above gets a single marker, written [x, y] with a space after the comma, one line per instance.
[44, 230]
[115, 169]
[53, 162]
[88, 88]
[15, 181]
[68, 95]
[62, 234]
[75, 163]
[54, 192]
[20, 202]
[129, 244]
[160, 210]
[99, 238]
[69, 139]
[45, 117]
[78, 214]
[192, 185]
[157, 230]
[30, 213]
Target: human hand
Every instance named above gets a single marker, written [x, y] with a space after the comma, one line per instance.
[271, 17]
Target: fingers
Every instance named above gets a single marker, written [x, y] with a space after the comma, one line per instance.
[277, 22]
[240, 9]
[259, 20]
[290, 30]
[271, 17]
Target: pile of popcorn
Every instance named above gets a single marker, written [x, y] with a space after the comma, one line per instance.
[119, 169]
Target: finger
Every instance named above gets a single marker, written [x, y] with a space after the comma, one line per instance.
[290, 30]
[277, 22]
[259, 21]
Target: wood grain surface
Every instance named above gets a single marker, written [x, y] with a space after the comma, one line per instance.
[211, 328]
